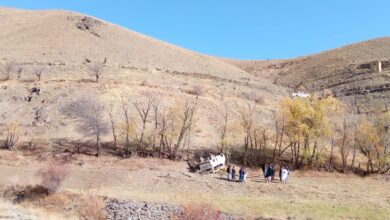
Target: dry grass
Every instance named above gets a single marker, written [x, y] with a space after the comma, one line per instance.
[92, 208]
[19, 193]
[200, 211]
[308, 194]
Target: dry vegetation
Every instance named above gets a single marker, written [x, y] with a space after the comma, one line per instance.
[52, 175]
[92, 208]
[135, 103]
[200, 212]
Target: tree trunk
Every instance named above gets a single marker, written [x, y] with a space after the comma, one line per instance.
[113, 130]
[353, 158]
[98, 145]
[331, 156]
[313, 153]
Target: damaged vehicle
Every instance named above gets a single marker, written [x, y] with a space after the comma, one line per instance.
[208, 163]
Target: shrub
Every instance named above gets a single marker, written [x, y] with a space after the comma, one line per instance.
[200, 212]
[19, 193]
[196, 90]
[92, 208]
[253, 96]
[52, 175]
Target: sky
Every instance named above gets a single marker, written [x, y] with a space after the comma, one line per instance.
[246, 29]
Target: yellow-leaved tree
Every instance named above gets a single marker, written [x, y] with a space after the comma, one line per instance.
[368, 140]
[307, 123]
[373, 139]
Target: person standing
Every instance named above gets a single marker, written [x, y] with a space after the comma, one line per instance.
[244, 174]
[241, 173]
[284, 175]
[234, 174]
[270, 173]
[229, 173]
[265, 170]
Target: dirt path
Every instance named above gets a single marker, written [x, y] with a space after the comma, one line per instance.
[154, 180]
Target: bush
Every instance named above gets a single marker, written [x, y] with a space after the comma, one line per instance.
[18, 193]
[253, 96]
[196, 90]
[52, 175]
[92, 208]
[200, 212]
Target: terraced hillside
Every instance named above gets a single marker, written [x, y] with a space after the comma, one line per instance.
[345, 71]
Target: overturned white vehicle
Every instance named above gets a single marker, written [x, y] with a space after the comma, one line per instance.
[210, 163]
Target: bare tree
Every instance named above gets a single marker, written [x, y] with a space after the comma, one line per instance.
[247, 119]
[89, 113]
[223, 130]
[125, 109]
[175, 128]
[143, 112]
[38, 71]
[156, 108]
[164, 137]
[186, 121]
[109, 109]
[96, 69]
[53, 175]
[280, 131]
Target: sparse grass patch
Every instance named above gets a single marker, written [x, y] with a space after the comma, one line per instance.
[299, 200]
[201, 211]
[92, 208]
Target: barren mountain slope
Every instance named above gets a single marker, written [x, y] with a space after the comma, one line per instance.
[136, 67]
[70, 38]
[345, 71]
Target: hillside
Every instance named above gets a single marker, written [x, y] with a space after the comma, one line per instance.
[71, 38]
[137, 67]
[345, 71]
[124, 145]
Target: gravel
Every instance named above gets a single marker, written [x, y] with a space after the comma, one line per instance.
[127, 210]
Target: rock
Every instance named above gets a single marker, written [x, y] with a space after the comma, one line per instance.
[121, 209]
[118, 209]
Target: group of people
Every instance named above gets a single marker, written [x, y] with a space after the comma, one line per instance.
[231, 174]
[270, 170]
[269, 173]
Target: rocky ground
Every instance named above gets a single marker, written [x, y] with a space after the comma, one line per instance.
[122, 209]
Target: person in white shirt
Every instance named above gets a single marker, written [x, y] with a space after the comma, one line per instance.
[284, 174]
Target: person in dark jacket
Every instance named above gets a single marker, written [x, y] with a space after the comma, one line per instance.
[265, 170]
[270, 173]
[234, 174]
[229, 173]
[241, 174]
